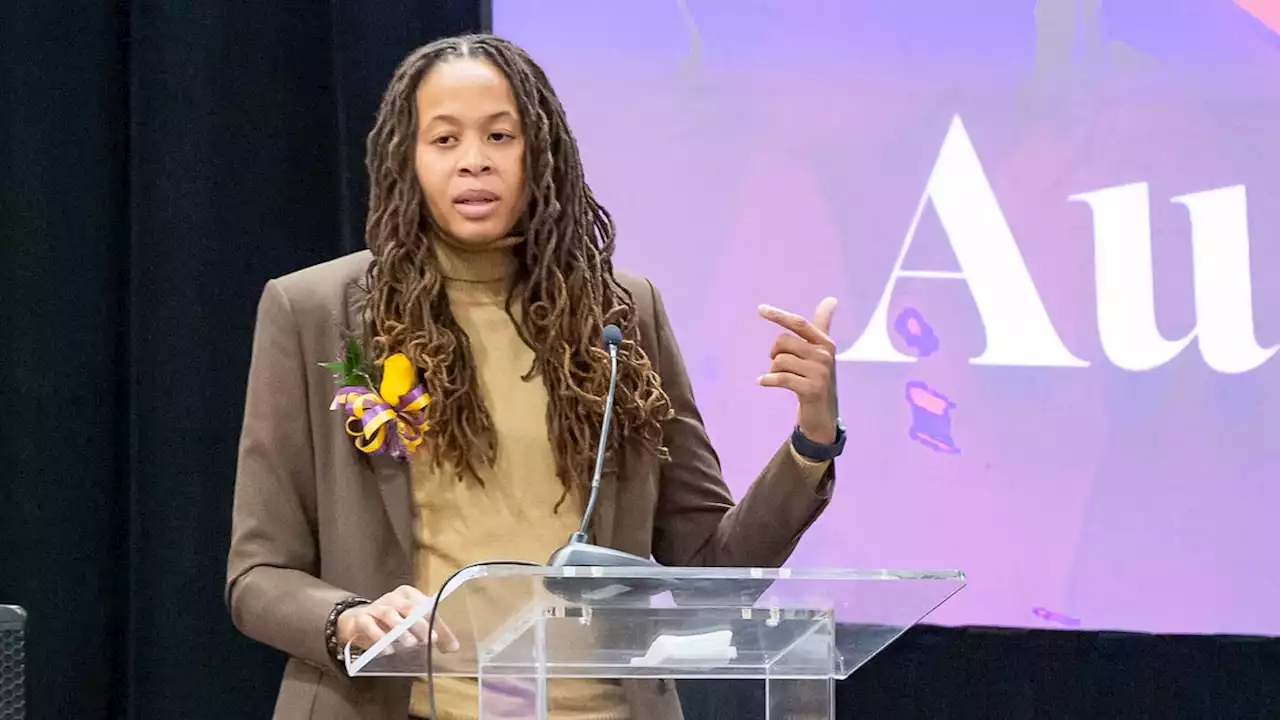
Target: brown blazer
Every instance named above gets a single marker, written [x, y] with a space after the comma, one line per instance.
[316, 521]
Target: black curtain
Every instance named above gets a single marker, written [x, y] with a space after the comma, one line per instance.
[161, 161]
[935, 673]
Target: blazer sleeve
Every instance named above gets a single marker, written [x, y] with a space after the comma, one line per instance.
[272, 590]
[697, 522]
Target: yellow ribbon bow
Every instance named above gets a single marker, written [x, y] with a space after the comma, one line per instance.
[398, 404]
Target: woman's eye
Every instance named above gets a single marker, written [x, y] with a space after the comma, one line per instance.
[499, 137]
[445, 140]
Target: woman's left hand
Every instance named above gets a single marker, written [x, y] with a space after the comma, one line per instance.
[804, 362]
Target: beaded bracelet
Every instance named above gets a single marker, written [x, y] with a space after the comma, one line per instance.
[331, 625]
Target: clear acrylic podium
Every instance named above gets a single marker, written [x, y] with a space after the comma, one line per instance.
[519, 628]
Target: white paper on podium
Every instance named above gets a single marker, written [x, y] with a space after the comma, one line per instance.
[713, 648]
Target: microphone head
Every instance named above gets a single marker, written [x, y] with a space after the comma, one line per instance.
[612, 336]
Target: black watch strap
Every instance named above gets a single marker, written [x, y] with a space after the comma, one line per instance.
[818, 452]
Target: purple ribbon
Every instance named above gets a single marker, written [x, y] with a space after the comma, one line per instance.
[406, 422]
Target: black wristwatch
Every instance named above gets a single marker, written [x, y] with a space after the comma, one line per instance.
[818, 452]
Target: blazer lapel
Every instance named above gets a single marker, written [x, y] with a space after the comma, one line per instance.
[390, 474]
[392, 477]
[603, 524]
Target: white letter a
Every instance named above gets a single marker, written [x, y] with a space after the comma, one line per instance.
[1018, 329]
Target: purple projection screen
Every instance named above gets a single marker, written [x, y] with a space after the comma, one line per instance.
[1054, 231]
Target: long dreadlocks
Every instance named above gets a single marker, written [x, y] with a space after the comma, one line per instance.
[566, 291]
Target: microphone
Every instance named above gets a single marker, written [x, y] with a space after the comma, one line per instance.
[579, 552]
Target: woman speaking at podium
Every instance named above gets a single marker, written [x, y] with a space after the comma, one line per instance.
[470, 395]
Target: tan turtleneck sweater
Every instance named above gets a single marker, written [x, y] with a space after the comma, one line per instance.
[513, 516]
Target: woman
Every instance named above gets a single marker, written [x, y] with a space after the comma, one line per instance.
[489, 278]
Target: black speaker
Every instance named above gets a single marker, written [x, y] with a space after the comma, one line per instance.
[13, 661]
